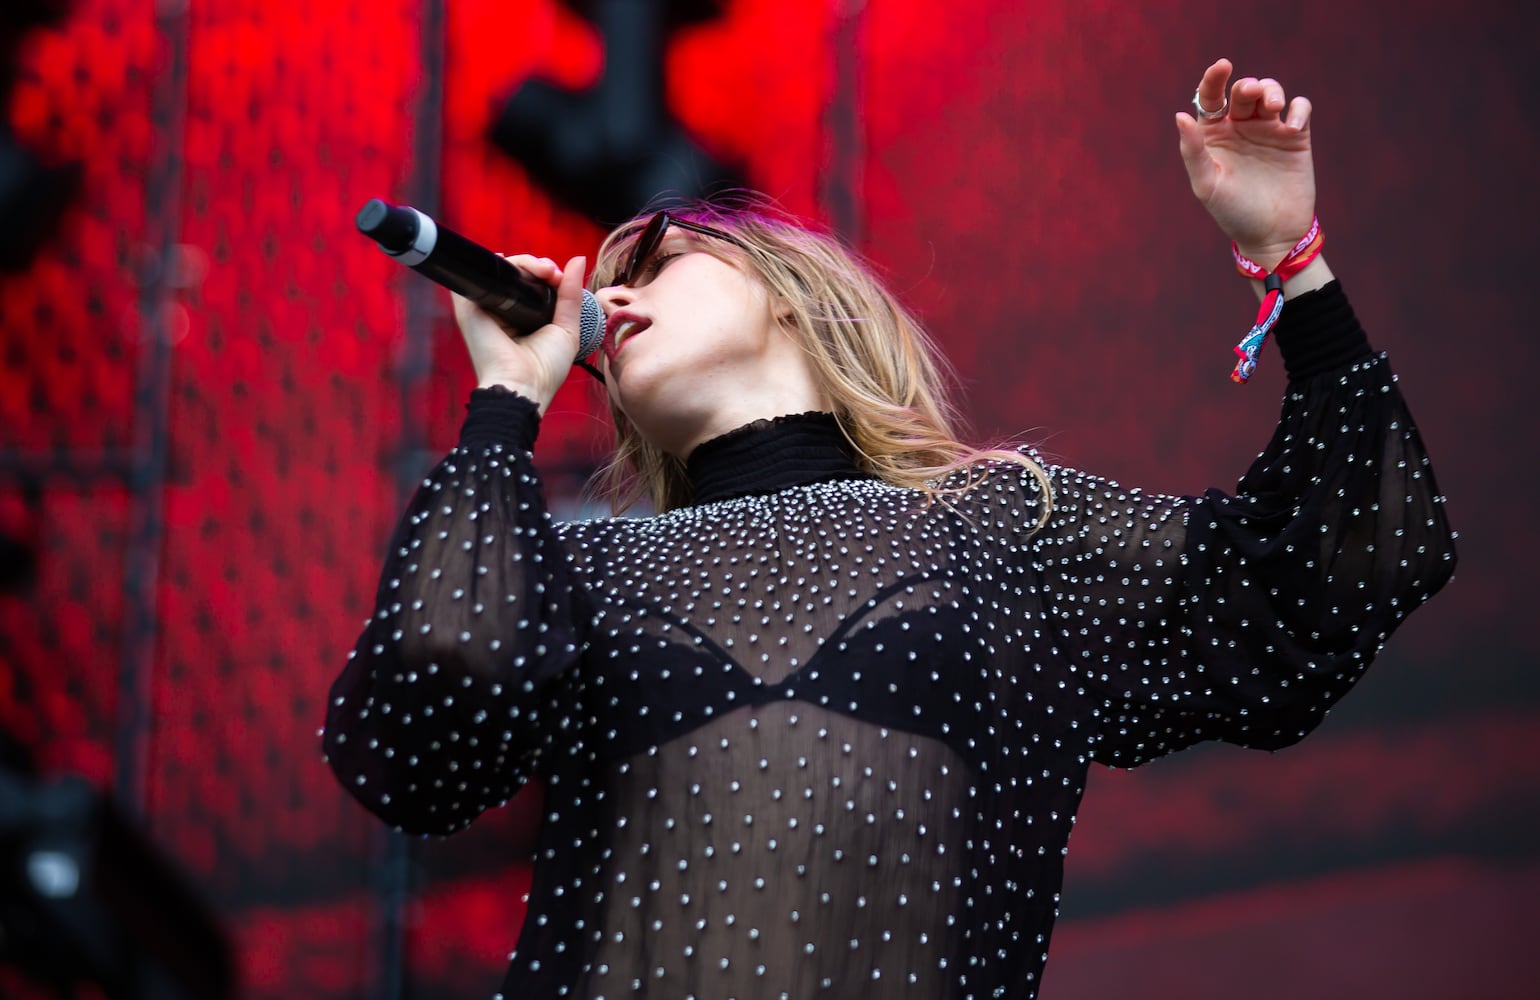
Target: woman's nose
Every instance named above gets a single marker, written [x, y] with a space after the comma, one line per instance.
[613, 297]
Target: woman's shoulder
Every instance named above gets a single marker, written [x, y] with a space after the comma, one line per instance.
[1004, 470]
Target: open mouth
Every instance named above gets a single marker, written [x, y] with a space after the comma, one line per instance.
[625, 330]
[621, 328]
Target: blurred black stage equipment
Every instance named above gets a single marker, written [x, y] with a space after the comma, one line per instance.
[33, 194]
[87, 900]
[609, 151]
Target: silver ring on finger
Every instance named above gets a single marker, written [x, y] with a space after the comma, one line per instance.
[1204, 114]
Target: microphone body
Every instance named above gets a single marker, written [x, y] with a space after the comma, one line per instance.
[469, 269]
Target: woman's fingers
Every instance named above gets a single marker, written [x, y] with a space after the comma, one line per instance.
[543, 268]
[1272, 101]
[1211, 89]
[1249, 98]
[532, 363]
[1253, 98]
[484, 331]
[1244, 96]
[1299, 113]
[1193, 147]
[1202, 173]
[569, 295]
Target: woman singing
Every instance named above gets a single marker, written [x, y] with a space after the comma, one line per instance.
[821, 725]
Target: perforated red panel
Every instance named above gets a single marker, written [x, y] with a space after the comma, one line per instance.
[70, 335]
[285, 418]
[83, 94]
[282, 413]
[61, 637]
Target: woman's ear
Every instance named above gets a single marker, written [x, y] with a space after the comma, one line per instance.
[784, 314]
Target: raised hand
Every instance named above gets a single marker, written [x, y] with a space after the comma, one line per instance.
[535, 365]
[1252, 167]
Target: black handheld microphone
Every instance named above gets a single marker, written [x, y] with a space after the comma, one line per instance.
[473, 271]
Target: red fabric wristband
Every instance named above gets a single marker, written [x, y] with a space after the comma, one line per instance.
[1250, 347]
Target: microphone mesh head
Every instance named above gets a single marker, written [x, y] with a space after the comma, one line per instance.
[590, 327]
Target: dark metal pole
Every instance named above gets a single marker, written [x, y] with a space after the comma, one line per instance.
[631, 89]
[394, 881]
[150, 449]
[842, 182]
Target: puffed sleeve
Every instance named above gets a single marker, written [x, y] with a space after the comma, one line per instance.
[455, 688]
[1245, 617]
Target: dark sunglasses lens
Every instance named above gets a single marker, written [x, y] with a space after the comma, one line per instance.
[646, 244]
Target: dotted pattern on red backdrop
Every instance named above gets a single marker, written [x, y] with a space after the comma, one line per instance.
[60, 637]
[311, 951]
[284, 419]
[283, 422]
[82, 94]
[68, 342]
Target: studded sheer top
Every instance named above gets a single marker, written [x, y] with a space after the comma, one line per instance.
[815, 734]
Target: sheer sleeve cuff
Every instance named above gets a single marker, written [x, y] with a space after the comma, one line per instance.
[500, 416]
[1318, 332]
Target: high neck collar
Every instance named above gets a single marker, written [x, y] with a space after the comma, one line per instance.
[770, 455]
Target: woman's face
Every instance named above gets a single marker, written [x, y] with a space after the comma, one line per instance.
[696, 347]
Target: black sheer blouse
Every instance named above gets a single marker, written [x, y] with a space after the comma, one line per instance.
[813, 735]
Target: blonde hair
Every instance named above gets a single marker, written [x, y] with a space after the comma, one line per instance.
[887, 381]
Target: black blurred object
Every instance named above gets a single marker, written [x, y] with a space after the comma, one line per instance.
[611, 150]
[14, 757]
[87, 900]
[676, 13]
[18, 565]
[33, 198]
[18, 16]
[33, 194]
[19, 531]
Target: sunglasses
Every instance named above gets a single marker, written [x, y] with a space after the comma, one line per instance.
[652, 236]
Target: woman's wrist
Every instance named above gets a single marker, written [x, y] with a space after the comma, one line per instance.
[1314, 275]
[517, 386]
[499, 415]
